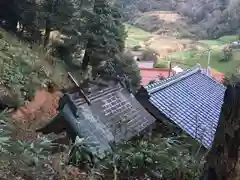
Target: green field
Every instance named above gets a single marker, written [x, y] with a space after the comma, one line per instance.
[228, 38]
[226, 67]
[135, 35]
[184, 55]
[212, 42]
[190, 57]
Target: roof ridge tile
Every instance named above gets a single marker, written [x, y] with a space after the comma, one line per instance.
[160, 84]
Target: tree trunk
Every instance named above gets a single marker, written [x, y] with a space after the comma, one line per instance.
[47, 31]
[86, 58]
[88, 51]
[222, 161]
[51, 8]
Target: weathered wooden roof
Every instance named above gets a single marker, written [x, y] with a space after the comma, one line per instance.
[112, 115]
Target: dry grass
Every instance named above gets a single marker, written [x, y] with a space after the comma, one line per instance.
[168, 16]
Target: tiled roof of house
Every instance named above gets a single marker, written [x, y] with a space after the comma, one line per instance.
[113, 115]
[192, 100]
[149, 74]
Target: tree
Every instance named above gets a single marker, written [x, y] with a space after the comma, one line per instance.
[10, 13]
[50, 7]
[238, 33]
[223, 158]
[28, 15]
[127, 69]
[105, 34]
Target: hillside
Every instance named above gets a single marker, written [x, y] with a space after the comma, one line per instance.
[201, 19]
[24, 69]
[183, 30]
[183, 52]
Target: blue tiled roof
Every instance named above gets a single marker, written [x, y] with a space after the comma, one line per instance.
[192, 100]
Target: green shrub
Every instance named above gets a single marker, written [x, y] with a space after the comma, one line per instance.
[144, 155]
[126, 68]
[136, 48]
[149, 55]
[227, 54]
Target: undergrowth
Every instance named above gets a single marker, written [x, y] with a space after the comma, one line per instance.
[21, 158]
[23, 69]
[154, 157]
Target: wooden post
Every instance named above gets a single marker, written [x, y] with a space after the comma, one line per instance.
[208, 63]
[170, 69]
[80, 89]
[51, 8]
[223, 159]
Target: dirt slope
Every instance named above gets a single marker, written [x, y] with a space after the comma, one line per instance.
[37, 112]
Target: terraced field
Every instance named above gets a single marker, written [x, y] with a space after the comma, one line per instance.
[185, 52]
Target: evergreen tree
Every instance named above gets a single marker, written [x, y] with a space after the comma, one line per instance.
[9, 14]
[125, 68]
[105, 34]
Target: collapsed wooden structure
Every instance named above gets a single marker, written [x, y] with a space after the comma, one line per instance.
[102, 113]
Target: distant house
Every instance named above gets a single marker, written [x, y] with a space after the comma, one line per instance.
[177, 69]
[191, 99]
[108, 113]
[235, 44]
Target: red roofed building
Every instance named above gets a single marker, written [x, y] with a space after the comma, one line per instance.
[149, 74]
[219, 76]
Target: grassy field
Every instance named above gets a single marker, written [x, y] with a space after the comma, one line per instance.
[190, 57]
[217, 54]
[226, 67]
[135, 36]
[184, 55]
[212, 42]
[228, 38]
